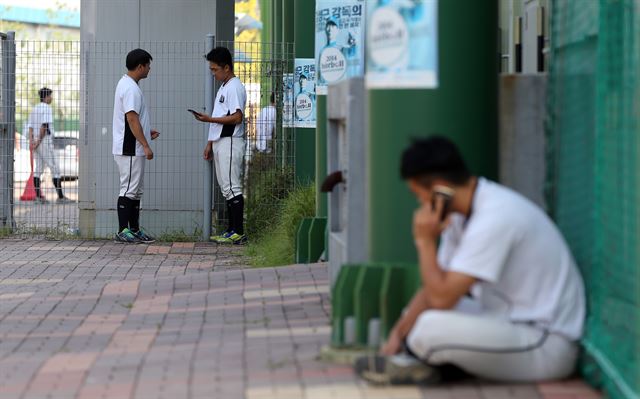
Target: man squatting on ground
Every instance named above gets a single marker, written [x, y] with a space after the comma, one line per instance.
[226, 143]
[524, 314]
[131, 135]
[41, 131]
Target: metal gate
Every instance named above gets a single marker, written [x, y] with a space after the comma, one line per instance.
[82, 77]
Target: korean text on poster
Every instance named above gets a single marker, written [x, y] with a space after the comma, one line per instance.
[339, 41]
[304, 104]
[402, 44]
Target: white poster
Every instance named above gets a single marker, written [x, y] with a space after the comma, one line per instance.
[339, 41]
[402, 44]
[304, 105]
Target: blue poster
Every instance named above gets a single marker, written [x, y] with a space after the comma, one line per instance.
[304, 92]
[287, 100]
[402, 44]
[339, 41]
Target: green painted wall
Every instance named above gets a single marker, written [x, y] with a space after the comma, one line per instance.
[305, 142]
[463, 107]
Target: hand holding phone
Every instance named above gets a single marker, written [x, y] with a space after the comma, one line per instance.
[446, 193]
[194, 112]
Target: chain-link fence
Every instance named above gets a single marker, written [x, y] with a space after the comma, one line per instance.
[593, 175]
[69, 185]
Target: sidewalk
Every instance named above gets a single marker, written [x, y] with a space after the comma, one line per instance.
[95, 319]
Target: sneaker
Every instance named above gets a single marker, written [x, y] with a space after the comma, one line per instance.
[41, 200]
[143, 236]
[224, 238]
[238, 239]
[64, 200]
[395, 370]
[126, 236]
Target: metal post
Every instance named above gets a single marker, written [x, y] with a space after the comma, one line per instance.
[11, 101]
[209, 168]
[8, 109]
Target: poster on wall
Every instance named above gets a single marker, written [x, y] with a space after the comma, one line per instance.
[287, 100]
[304, 103]
[339, 41]
[402, 44]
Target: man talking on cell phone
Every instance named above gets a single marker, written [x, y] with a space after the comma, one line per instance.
[501, 296]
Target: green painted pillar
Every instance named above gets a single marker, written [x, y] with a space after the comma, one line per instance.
[277, 21]
[304, 31]
[322, 199]
[462, 107]
[288, 24]
[288, 20]
[266, 14]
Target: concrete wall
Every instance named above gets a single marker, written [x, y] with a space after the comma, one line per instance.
[174, 33]
[522, 137]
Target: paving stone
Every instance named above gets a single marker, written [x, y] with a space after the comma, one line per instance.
[96, 319]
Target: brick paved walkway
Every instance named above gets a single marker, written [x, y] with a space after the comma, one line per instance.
[82, 319]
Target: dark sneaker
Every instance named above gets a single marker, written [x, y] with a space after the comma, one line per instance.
[238, 239]
[41, 200]
[395, 370]
[126, 236]
[64, 200]
[224, 238]
[143, 236]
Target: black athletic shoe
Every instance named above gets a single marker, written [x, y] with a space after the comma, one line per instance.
[126, 236]
[143, 236]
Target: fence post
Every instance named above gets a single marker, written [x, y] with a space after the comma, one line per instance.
[208, 171]
[8, 108]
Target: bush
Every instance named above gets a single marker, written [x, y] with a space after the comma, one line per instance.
[276, 246]
[267, 186]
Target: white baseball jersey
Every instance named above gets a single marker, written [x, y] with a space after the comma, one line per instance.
[128, 98]
[525, 270]
[41, 114]
[231, 97]
[266, 126]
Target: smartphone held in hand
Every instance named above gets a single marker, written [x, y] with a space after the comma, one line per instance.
[446, 193]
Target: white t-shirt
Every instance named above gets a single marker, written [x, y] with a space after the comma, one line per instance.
[41, 114]
[230, 98]
[128, 98]
[525, 270]
[266, 125]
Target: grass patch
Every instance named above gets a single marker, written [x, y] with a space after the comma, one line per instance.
[275, 247]
[180, 236]
[268, 185]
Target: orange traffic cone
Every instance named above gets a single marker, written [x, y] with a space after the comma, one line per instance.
[29, 193]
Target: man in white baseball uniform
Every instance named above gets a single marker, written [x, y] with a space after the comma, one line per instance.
[226, 141]
[131, 136]
[266, 125]
[41, 132]
[501, 295]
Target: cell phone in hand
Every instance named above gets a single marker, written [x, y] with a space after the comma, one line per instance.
[446, 193]
[194, 112]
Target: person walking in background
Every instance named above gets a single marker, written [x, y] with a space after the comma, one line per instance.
[131, 135]
[266, 125]
[226, 141]
[41, 130]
